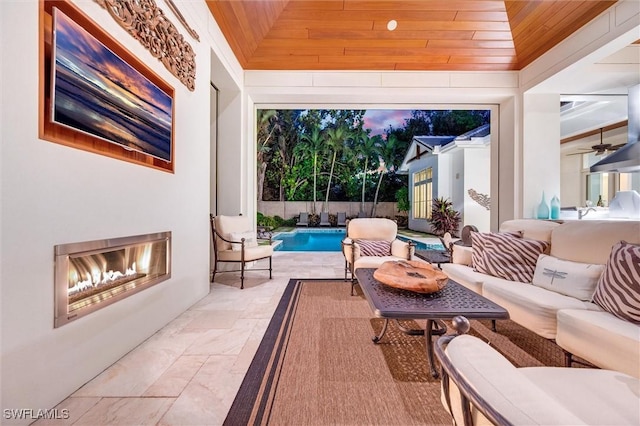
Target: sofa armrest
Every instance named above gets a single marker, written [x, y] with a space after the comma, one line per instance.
[350, 250]
[402, 249]
[461, 255]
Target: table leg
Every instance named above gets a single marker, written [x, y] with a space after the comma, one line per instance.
[410, 331]
[434, 328]
[377, 338]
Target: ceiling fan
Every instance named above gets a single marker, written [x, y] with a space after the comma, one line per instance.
[601, 148]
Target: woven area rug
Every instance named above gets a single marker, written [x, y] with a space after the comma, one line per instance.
[317, 365]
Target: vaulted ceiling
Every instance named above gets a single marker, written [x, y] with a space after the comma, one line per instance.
[466, 35]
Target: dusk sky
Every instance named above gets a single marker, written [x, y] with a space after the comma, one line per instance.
[378, 120]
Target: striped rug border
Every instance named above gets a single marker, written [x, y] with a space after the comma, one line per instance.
[253, 400]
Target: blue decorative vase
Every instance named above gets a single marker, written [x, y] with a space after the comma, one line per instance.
[555, 208]
[543, 208]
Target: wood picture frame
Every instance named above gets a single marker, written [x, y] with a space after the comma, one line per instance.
[131, 148]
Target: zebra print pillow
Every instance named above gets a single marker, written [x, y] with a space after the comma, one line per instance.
[478, 240]
[374, 248]
[618, 290]
[512, 258]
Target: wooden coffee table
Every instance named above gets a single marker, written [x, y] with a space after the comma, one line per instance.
[454, 299]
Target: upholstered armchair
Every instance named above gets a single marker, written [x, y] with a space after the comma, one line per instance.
[369, 242]
[480, 387]
[235, 241]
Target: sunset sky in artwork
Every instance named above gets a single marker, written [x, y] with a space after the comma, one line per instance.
[96, 92]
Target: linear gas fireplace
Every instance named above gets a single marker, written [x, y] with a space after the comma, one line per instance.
[93, 274]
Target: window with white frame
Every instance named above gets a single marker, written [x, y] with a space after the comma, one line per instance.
[422, 193]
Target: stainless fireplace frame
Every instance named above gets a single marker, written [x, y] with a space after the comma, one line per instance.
[62, 254]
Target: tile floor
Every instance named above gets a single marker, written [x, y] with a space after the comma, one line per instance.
[188, 372]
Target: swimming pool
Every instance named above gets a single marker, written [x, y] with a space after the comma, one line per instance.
[311, 240]
[327, 240]
[423, 246]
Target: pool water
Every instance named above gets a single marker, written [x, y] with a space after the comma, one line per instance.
[423, 246]
[311, 240]
[326, 240]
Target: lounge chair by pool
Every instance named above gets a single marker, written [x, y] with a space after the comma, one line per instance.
[303, 220]
[342, 219]
[324, 219]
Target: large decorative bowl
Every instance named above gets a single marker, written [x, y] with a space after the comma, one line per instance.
[411, 275]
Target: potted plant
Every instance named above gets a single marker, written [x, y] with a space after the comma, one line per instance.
[444, 218]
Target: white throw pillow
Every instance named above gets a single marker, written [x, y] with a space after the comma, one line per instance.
[250, 239]
[573, 279]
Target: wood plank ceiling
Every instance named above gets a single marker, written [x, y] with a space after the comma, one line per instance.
[468, 35]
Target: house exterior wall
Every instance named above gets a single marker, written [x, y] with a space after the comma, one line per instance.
[53, 194]
[477, 176]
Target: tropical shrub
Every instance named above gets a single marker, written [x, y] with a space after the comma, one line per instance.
[402, 198]
[444, 218]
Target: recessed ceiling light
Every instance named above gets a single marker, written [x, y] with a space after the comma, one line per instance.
[392, 25]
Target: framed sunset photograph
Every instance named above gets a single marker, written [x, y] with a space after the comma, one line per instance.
[94, 91]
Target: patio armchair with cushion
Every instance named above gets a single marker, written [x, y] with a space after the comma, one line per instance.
[234, 241]
[303, 219]
[480, 386]
[369, 242]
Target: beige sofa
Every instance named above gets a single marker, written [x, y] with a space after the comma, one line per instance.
[580, 327]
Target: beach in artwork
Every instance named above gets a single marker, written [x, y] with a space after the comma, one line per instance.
[96, 92]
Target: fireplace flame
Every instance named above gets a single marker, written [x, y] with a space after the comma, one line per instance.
[97, 278]
[89, 272]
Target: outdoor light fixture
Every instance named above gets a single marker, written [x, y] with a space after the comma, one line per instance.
[392, 25]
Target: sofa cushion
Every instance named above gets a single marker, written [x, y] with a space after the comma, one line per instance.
[374, 247]
[531, 228]
[532, 307]
[478, 242]
[597, 397]
[249, 240]
[601, 338]
[590, 241]
[511, 258]
[573, 279]
[464, 275]
[618, 290]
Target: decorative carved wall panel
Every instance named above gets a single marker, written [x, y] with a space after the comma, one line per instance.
[146, 22]
[483, 199]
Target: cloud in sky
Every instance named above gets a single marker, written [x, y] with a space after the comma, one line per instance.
[378, 120]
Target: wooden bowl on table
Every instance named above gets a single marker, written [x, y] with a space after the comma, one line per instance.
[411, 275]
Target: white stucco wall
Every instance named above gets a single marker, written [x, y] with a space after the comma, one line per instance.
[52, 194]
[477, 176]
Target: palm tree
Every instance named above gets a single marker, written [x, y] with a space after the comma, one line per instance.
[387, 152]
[335, 142]
[313, 145]
[266, 126]
[365, 147]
